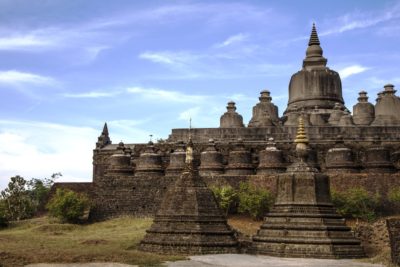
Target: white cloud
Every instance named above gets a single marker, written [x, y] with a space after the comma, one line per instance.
[23, 42]
[164, 95]
[14, 77]
[38, 149]
[93, 94]
[359, 20]
[351, 70]
[170, 58]
[233, 40]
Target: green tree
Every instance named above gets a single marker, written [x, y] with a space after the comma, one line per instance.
[356, 203]
[67, 205]
[254, 201]
[39, 190]
[226, 197]
[17, 199]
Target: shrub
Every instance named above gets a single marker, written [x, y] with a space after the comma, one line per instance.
[356, 203]
[67, 205]
[394, 195]
[226, 197]
[254, 201]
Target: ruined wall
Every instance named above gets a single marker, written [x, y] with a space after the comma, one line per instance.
[127, 195]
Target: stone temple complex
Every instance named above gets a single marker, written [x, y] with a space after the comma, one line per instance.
[360, 147]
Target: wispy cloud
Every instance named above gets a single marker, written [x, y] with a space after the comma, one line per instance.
[164, 95]
[14, 77]
[351, 70]
[170, 58]
[93, 94]
[361, 20]
[23, 42]
[234, 39]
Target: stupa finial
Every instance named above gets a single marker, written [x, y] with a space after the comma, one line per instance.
[301, 141]
[314, 40]
[301, 137]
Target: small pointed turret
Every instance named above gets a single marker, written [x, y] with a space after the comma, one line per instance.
[104, 138]
[105, 129]
[314, 40]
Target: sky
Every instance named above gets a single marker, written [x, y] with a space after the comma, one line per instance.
[145, 67]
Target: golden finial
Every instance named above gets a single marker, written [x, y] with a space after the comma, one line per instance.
[301, 137]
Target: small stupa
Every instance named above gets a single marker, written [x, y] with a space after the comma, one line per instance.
[189, 220]
[303, 222]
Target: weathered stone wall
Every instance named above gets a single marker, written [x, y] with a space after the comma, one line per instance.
[141, 196]
[127, 195]
[394, 235]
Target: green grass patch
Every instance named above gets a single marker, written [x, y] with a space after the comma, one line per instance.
[40, 240]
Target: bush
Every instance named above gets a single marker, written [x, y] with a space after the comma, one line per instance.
[254, 201]
[226, 198]
[67, 205]
[356, 203]
[394, 195]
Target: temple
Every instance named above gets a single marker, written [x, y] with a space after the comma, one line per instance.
[361, 147]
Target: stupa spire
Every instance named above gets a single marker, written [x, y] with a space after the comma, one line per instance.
[104, 138]
[301, 136]
[105, 129]
[314, 40]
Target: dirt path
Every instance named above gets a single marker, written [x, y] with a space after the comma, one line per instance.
[234, 260]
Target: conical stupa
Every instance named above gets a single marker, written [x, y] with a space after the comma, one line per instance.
[189, 220]
[303, 221]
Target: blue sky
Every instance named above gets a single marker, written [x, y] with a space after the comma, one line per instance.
[146, 67]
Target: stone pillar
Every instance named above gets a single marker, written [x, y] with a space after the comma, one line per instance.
[377, 159]
[120, 162]
[271, 159]
[340, 159]
[211, 161]
[176, 160]
[240, 161]
[149, 163]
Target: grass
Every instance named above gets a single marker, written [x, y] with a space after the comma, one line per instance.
[41, 240]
